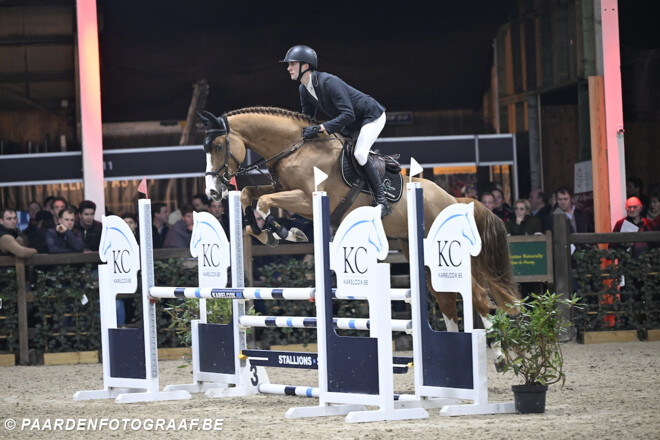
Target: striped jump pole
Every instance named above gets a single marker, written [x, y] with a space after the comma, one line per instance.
[265, 293]
[247, 321]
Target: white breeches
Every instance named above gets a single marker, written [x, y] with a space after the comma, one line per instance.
[368, 135]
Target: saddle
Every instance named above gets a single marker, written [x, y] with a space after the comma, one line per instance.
[388, 168]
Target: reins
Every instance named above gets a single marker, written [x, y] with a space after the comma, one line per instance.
[270, 163]
[241, 171]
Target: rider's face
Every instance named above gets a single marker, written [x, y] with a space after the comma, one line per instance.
[293, 70]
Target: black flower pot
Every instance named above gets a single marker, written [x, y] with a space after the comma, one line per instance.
[529, 398]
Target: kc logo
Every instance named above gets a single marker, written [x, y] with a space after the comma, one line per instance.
[210, 246]
[452, 238]
[211, 255]
[119, 248]
[120, 259]
[449, 249]
[359, 243]
[352, 263]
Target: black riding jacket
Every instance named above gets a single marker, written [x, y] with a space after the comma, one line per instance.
[349, 108]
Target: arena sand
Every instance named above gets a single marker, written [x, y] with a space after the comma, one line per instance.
[612, 392]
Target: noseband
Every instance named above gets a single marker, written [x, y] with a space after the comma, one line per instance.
[210, 135]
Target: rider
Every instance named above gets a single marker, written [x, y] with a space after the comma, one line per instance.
[350, 109]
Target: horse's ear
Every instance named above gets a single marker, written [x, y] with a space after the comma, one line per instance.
[212, 120]
[204, 120]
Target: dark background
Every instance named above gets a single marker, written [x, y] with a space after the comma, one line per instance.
[424, 55]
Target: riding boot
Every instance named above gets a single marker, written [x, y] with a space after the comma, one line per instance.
[376, 186]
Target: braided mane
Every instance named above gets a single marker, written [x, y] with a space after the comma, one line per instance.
[272, 111]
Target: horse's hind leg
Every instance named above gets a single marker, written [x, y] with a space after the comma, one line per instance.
[495, 346]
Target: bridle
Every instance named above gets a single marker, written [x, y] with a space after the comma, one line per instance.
[223, 173]
[225, 176]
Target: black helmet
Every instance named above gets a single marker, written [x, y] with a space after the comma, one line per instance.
[302, 54]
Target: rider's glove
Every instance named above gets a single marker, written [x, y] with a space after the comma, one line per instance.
[311, 132]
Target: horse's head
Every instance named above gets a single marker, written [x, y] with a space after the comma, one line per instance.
[224, 153]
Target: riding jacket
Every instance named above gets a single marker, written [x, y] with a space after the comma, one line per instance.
[349, 108]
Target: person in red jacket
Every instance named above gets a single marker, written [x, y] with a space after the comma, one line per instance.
[634, 222]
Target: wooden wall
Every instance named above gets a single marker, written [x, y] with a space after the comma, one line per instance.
[35, 129]
[560, 142]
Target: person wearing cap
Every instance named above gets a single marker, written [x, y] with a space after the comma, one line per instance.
[351, 111]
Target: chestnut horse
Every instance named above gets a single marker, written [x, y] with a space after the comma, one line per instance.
[275, 134]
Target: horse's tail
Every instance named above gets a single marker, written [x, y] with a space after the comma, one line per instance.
[491, 269]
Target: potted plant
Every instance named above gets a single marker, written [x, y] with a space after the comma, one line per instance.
[530, 345]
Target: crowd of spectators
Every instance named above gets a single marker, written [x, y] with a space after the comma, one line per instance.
[58, 227]
[535, 214]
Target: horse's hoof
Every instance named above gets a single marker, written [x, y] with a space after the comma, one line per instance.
[271, 241]
[296, 235]
[500, 363]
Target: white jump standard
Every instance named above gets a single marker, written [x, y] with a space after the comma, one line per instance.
[130, 360]
[447, 364]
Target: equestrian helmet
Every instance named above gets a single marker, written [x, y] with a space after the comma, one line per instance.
[302, 54]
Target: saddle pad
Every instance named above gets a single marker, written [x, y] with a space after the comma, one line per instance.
[392, 182]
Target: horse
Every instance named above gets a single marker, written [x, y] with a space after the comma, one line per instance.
[275, 134]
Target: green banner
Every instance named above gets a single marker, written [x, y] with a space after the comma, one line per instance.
[529, 258]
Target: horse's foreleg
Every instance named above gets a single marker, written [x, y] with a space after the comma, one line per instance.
[248, 194]
[294, 201]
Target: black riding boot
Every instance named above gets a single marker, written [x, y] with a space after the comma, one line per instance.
[376, 186]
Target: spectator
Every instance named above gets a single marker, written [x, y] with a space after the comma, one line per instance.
[634, 187]
[578, 219]
[159, 216]
[37, 230]
[540, 207]
[488, 200]
[200, 203]
[523, 223]
[63, 238]
[131, 221]
[634, 222]
[217, 209]
[48, 204]
[11, 239]
[653, 208]
[59, 203]
[90, 230]
[33, 208]
[180, 233]
[501, 209]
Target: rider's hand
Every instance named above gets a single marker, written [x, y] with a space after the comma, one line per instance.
[311, 132]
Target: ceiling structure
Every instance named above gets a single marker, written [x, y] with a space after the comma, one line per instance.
[428, 55]
[421, 56]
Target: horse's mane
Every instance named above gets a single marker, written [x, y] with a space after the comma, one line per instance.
[272, 111]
